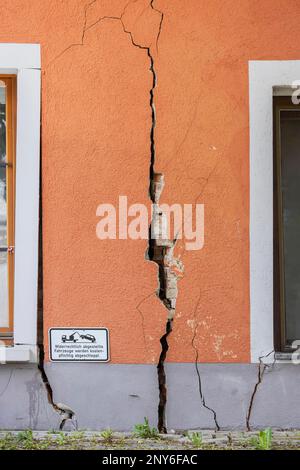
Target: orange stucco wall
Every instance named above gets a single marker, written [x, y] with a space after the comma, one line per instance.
[96, 121]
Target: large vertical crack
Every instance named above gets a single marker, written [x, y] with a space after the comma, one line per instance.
[160, 251]
[160, 248]
[170, 269]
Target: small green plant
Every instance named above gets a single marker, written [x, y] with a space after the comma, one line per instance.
[263, 441]
[62, 439]
[26, 439]
[144, 431]
[25, 435]
[195, 438]
[107, 435]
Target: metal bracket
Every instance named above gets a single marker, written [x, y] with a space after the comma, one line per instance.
[5, 164]
[8, 249]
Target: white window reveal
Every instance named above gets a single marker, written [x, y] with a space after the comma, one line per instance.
[19, 200]
[272, 119]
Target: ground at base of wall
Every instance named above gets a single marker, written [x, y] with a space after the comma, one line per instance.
[109, 440]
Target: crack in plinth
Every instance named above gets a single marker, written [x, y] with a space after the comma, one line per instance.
[162, 380]
[262, 367]
[202, 397]
[64, 410]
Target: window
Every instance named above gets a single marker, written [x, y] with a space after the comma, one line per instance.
[19, 200]
[7, 197]
[286, 119]
[265, 77]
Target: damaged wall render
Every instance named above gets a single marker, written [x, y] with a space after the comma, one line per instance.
[118, 77]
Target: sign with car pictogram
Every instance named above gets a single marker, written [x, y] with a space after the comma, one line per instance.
[79, 344]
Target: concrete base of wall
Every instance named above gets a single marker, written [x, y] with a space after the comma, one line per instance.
[119, 396]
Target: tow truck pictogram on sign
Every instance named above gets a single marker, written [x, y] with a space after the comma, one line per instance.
[75, 337]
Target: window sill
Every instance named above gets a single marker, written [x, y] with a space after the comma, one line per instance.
[284, 356]
[18, 354]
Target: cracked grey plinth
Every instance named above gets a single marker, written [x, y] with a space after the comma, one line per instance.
[227, 389]
[106, 395]
[23, 399]
[120, 395]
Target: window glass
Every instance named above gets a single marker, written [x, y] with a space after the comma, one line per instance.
[290, 187]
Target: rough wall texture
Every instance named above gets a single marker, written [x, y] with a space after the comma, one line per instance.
[96, 121]
[95, 146]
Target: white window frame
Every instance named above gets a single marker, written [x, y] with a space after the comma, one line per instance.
[23, 60]
[264, 76]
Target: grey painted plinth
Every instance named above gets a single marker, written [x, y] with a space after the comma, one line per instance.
[23, 399]
[120, 395]
[228, 389]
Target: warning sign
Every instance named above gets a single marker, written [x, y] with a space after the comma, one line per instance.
[79, 344]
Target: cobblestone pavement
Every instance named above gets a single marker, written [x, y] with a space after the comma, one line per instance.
[108, 440]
